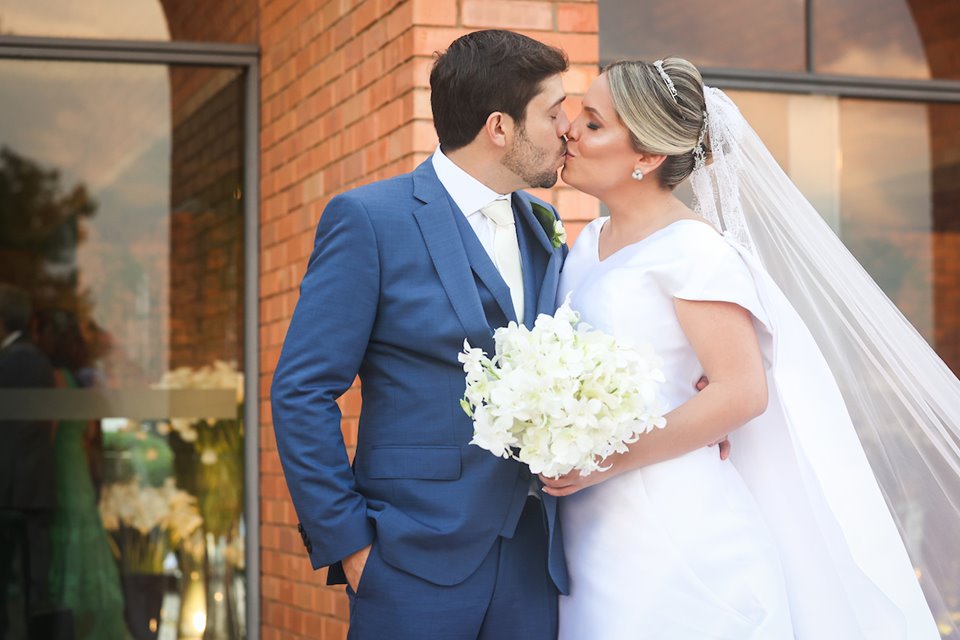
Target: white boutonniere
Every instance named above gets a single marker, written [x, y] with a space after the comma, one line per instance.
[551, 225]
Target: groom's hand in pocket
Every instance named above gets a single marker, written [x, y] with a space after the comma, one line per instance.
[724, 442]
[353, 566]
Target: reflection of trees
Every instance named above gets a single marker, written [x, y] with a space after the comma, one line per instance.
[40, 230]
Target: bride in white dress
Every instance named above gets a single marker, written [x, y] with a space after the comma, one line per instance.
[791, 537]
[678, 548]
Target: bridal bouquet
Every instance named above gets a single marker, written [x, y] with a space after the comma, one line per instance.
[561, 396]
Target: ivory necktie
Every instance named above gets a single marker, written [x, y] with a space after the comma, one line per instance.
[506, 251]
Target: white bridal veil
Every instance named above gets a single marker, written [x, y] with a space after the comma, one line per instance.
[873, 412]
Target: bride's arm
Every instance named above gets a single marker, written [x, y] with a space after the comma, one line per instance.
[723, 337]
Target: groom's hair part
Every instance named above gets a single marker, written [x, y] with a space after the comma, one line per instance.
[483, 72]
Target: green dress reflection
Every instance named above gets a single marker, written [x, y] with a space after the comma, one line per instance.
[83, 575]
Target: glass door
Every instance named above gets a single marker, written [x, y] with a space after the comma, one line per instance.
[122, 249]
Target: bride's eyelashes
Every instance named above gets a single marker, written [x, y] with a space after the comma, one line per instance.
[592, 126]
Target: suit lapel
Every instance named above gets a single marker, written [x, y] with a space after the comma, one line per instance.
[437, 222]
[524, 208]
[545, 293]
[534, 263]
[547, 300]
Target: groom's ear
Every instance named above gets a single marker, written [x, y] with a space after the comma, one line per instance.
[499, 129]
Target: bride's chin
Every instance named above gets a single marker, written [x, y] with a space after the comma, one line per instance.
[570, 180]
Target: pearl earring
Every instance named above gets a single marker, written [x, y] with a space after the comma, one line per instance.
[637, 174]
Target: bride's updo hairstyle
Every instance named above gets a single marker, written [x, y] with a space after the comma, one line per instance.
[659, 121]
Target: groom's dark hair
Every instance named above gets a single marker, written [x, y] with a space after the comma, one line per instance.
[483, 72]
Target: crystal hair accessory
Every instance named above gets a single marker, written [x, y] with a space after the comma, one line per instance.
[666, 79]
[700, 151]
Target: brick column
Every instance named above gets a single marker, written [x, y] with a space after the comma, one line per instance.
[345, 101]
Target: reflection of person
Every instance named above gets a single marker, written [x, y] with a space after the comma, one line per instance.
[790, 540]
[83, 572]
[27, 489]
[435, 538]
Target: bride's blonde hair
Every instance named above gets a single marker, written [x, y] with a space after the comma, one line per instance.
[658, 121]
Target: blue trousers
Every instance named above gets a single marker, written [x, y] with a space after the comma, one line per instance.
[509, 596]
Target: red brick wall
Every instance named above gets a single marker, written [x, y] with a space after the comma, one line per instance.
[344, 101]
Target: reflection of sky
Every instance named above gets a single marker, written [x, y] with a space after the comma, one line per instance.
[90, 120]
[877, 192]
[108, 127]
[734, 33]
[885, 207]
[856, 37]
[868, 37]
[109, 19]
[888, 206]
[891, 59]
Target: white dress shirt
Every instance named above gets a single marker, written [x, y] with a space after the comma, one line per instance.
[470, 195]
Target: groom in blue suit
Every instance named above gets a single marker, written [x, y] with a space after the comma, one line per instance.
[434, 537]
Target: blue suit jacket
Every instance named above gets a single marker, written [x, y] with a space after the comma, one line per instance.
[396, 281]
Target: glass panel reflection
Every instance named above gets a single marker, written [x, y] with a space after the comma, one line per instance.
[132, 19]
[121, 224]
[707, 33]
[887, 38]
[140, 19]
[887, 206]
[884, 174]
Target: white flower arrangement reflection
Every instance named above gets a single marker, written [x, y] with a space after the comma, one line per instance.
[208, 452]
[561, 396]
[219, 375]
[147, 522]
[235, 552]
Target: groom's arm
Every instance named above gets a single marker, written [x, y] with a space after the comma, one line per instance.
[321, 356]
